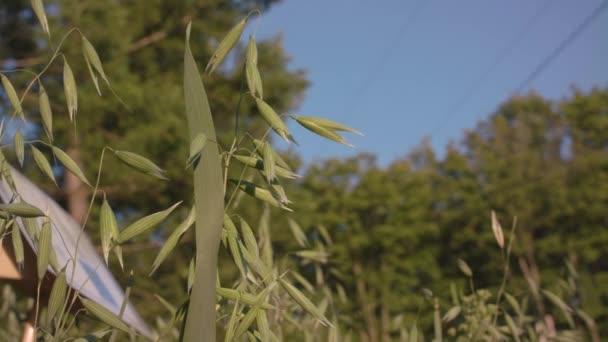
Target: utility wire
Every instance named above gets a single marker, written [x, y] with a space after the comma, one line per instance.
[385, 57]
[562, 46]
[504, 52]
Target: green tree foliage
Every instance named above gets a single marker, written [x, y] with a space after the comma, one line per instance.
[402, 228]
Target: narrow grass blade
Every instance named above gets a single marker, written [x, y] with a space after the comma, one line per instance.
[144, 224]
[44, 248]
[70, 164]
[173, 239]
[38, 8]
[200, 323]
[43, 164]
[226, 45]
[140, 164]
[19, 146]
[12, 96]
[69, 87]
[104, 315]
[44, 106]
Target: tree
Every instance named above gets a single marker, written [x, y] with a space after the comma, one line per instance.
[140, 44]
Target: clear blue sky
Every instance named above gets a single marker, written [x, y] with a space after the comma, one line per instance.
[397, 69]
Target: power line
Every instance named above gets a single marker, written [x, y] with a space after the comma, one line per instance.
[504, 52]
[562, 46]
[388, 52]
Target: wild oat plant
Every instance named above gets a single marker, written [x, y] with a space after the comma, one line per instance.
[268, 301]
[252, 308]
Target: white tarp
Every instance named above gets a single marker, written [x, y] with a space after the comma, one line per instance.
[91, 277]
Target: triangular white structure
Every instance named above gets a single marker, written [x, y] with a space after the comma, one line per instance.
[91, 277]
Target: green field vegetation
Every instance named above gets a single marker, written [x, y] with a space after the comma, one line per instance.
[502, 236]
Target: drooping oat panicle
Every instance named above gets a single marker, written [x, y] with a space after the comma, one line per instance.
[249, 238]
[254, 81]
[70, 164]
[21, 209]
[324, 234]
[269, 163]
[69, 87]
[259, 146]
[12, 96]
[43, 163]
[330, 125]
[303, 281]
[259, 164]
[172, 240]
[226, 45]
[92, 59]
[564, 308]
[57, 296]
[144, 224]
[44, 248]
[104, 315]
[260, 193]
[5, 172]
[108, 228]
[497, 230]
[191, 274]
[240, 296]
[141, 164]
[320, 130]
[44, 107]
[19, 146]
[464, 268]
[246, 322]
[304, 302]
[452, 313]
[297, 232]
[274, 120]
[38, 8]
[237, 255]
[17, 245]
[263, 326]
